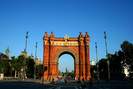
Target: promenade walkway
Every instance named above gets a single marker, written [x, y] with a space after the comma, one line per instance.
[15, 83]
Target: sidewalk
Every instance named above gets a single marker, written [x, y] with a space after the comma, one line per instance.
[27, 80]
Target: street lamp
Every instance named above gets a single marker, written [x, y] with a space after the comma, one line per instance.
[25, 56]
[107, 56]
[97, 60]
[35, 62]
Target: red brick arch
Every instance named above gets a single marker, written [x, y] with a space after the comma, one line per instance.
[66, 51]
[78, 48]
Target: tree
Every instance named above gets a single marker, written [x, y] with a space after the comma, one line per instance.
[93, 71]
[59, 73]
[127, 51]
[30, 67]
[103, 68]
[115, 66]
[8, 70]
[2, 67]
[3, 56]
[39, 70]
[17, 63]
[118, 60]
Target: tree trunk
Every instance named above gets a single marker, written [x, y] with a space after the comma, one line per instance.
[15, 73]
[18, 74]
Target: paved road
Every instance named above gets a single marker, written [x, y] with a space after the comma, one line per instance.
[36, 84]
[66, 86]
[22, 85]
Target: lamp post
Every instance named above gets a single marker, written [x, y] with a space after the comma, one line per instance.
[97, 61]
[35, 62]
[25, 56]
[107, 55]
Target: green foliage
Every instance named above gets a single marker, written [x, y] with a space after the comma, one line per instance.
[7, 69]
[127, 51]
[115, 66]
[17, 63]
[3, 56]
[117, 60]
[2, 67]
[93, 71]
[30, 67]
[69, 74]
[59, 73]
[39, 70]
[103, 68]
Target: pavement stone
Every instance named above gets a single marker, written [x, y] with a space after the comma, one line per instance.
[73, 84]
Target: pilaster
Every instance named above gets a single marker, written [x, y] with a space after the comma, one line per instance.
[81, 45]
[45, 53]
[87, 56]
[51, 48]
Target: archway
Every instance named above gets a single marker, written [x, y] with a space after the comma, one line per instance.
[73, 54]
[77, 47]
[66, 64]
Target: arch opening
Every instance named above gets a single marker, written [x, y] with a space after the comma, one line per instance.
[66, 65]
[73, 55]
[66, 51]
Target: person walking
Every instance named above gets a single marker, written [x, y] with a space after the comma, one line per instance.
[56, 80]
[65, 80]
[69, 79]
[98, 81]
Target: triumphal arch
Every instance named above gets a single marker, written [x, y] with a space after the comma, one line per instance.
[78, 48]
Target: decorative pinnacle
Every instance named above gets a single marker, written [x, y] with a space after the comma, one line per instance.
[86, 32]
[52, 32]
[46, 32]
[80, 32]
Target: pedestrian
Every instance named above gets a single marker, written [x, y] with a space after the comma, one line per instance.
[57, 80]
[90, 83]
[50, 78]
[69, 79]
[62, 80]
[98, 81]
[53, 81]
[65, 80]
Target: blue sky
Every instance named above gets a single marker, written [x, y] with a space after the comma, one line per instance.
[65, 17]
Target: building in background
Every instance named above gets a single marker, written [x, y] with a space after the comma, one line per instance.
[92, 63]
[32, 57]
[67, 70]
[7, 52]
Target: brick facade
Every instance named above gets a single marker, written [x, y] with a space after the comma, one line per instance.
[78, 48]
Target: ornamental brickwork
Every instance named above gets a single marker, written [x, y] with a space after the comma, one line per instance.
[78, 48]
